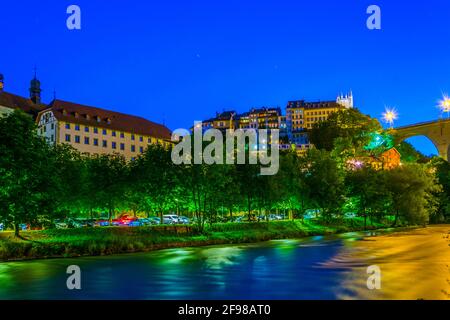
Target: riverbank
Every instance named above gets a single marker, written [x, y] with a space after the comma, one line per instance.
[115, 240]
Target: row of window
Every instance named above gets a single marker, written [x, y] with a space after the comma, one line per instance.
[95, 130]
[95, 142]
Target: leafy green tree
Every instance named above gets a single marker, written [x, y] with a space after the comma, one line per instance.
[413, 189]
[441, 168]
[154, 178]
[367, 189]
[107, 182]
[349, 125]
[27, 180]
[71, 180]
[324, 179]
[409, 154]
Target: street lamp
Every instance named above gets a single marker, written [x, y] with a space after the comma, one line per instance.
[444, 104]
[389, 116]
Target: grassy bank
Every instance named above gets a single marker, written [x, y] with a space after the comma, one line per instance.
[106, 241]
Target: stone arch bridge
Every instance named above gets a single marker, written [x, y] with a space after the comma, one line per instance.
[437, 131]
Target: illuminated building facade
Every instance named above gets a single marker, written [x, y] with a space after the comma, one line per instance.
[95, 131]
[302, 115]
[90, 130]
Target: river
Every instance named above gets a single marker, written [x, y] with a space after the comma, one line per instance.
[414, 264]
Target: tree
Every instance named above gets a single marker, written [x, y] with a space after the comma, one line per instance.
[413, 189]
[410, 154]
[324, 180]
[154, 178]
[349, 125]
[366, 188]
[441, 168]
[107, 182]
[27, 179]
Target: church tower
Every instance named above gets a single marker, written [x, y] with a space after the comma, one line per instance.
[35, 90]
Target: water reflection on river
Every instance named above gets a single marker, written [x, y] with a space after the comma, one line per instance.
[414, 265]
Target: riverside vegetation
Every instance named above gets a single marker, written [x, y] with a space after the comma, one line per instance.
[40, 182]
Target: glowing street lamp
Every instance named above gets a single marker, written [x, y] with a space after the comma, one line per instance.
[389, 116]
[444, 104]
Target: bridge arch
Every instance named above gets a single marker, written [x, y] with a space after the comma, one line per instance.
[423, 144]
[436, 131]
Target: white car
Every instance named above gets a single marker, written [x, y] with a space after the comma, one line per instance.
[170, 219]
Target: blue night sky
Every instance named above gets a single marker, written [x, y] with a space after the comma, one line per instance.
[180, 61]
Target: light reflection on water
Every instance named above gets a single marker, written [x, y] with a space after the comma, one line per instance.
[414, 264]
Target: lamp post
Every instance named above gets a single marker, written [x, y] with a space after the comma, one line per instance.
[444, 104]
[389, 116]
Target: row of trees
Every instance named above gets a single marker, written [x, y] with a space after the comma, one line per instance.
[39, 182]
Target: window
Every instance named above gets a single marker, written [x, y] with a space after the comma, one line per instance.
[141, 149]
[86, 140]
[77, 127]
[141, 139]
[113, 133]
[133, 148]
[86, 129]
[67, 125]
[149, 140]
[53, 126]
[77, 139]
[132, 137]
[105, 132]
[122, 146]
[96, 142]
[113, 145]
[67, 137]
[122, 135]
[45, 128]
[105, 144]
[96, 130]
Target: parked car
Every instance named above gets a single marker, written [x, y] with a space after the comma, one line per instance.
[183, 220]
[275, 217]
[60, 224]
[170, 219]
[155, 220]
